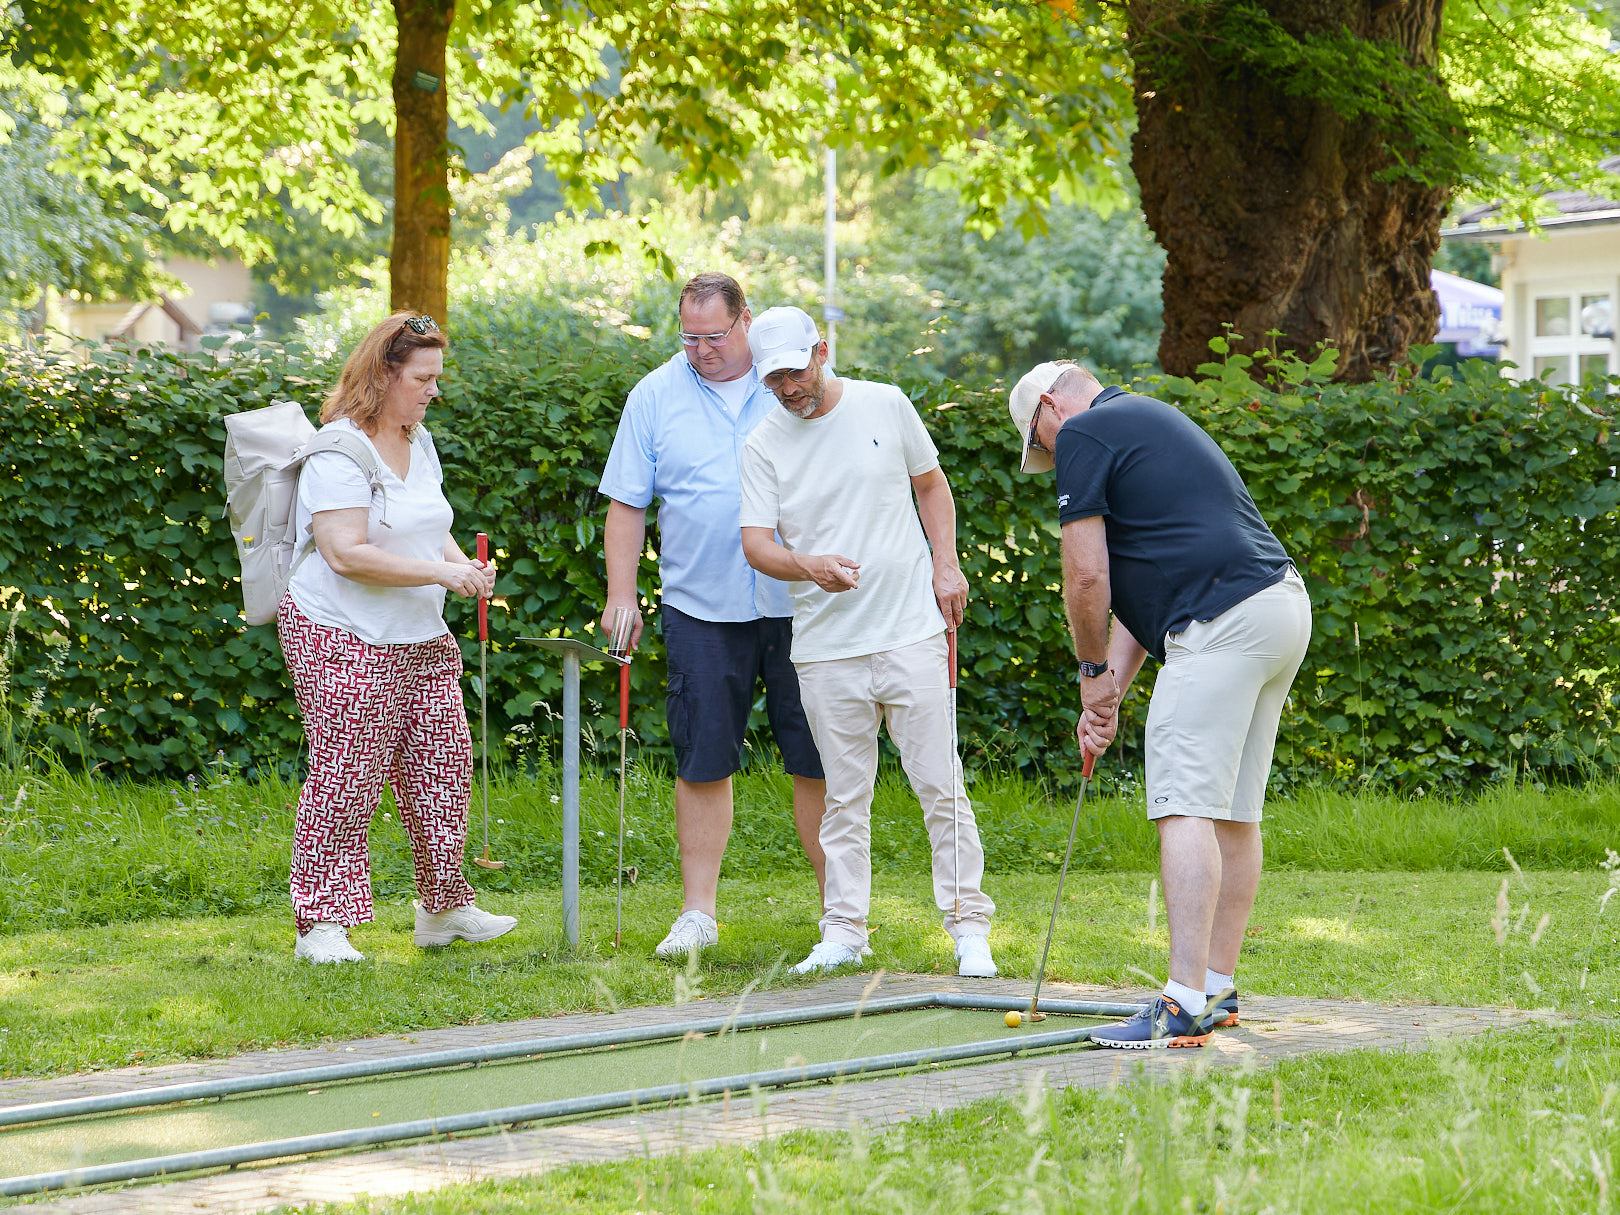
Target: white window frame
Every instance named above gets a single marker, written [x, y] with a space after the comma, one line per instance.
[1571, 346]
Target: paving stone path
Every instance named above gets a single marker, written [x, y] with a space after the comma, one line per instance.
[1272, 1029]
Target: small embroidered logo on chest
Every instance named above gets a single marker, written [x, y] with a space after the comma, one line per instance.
[874, 442]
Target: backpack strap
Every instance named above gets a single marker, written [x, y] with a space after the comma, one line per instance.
[348, 443]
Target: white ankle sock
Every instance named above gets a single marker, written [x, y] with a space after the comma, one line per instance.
[1190, 998]
[1215, 982]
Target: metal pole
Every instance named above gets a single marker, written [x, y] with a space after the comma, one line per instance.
[829, 310]
[570, 799]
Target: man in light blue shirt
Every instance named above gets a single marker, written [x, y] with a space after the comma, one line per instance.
[725, 627]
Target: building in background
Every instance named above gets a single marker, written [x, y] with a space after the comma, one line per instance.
[213, 298]
[1560, 284]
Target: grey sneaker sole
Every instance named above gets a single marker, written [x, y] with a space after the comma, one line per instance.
[300, 955]
[820, 970]
[429, 939]
[671, 953]
[1154, 1043]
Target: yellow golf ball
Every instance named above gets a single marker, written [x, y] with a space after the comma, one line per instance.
[1014, 1020]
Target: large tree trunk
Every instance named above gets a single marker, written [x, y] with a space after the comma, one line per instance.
[1267, 201]
[419, 263]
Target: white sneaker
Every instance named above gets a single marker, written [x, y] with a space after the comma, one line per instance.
[828, 955]
[327, 942]
[973, 960]
[459, 924]
[692, 932]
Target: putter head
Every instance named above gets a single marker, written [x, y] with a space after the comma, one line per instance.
[1034, 1015]
[483, 862]
[619, 641]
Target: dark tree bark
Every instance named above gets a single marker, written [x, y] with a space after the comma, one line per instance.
[419, 262]
[1267, 201]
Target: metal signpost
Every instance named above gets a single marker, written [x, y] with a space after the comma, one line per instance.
[573, 654]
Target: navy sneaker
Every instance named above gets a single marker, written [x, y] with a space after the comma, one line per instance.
[1222, 1013]
[1162, 1023]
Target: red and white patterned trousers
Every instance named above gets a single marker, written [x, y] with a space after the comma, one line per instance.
[375, 713]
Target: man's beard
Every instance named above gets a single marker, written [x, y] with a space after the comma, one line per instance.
[815, 392]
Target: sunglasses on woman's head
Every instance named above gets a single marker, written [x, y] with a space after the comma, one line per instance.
[420, 325]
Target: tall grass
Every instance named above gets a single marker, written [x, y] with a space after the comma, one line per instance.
[1521, 1122]
[77, 849]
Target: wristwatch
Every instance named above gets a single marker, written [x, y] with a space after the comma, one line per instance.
[1094, 670]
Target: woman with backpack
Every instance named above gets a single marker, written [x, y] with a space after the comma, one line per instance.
[376, 671]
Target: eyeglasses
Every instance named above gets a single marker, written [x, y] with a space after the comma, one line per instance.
[421, 325]
[714, 339]
[1032, 442]
[801, 376]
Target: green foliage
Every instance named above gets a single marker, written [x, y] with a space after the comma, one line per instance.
[55, 230]
[222, 106]
[1471, 259]
[1458, 537]
[114, 543]
[1535, 84]
[925, 292]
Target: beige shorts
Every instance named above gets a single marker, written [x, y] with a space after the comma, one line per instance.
[1212, 723]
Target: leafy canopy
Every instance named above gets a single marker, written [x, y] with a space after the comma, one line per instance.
[233, 117]
[222, 113]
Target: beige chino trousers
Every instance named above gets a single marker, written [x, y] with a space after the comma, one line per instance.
[845, 700]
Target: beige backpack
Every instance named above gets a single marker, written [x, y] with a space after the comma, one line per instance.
[265, 450]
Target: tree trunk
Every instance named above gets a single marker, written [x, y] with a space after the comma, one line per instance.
[419, 262]
[1268, 201]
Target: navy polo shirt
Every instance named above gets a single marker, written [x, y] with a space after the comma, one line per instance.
[1185, 540]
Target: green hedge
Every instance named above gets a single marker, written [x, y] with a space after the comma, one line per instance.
[1461, 540]
[1465, 528]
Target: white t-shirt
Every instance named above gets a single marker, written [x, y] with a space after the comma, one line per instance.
[419, 519]
[732, 393]
[841, 483]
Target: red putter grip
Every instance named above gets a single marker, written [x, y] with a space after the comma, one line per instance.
[1085, 768]
[624, 697]
[950, 646]
[483, 604]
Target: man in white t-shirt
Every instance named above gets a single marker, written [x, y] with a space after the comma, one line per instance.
[876, 582]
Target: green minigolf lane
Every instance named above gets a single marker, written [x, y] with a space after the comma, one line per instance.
[253, 1118]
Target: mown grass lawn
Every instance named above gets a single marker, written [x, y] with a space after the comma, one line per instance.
[143, 924]
[158, 990]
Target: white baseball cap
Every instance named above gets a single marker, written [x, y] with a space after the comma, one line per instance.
[1022, 401]
[782, 339]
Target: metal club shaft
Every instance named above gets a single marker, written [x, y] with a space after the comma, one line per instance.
[484, 862]
[956, 760]
[623, 621]
[1040, 972]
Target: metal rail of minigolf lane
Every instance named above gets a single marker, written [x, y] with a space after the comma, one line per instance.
[485, 1120]
[574, 652]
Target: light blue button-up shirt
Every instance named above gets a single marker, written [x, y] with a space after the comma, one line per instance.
[678, 442]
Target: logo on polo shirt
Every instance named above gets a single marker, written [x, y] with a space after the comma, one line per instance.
[1063, 500]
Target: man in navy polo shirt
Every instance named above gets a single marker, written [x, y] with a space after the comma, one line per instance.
[725, 627]
[1159, 530]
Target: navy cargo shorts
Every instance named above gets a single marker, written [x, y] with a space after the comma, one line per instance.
[713, 669]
